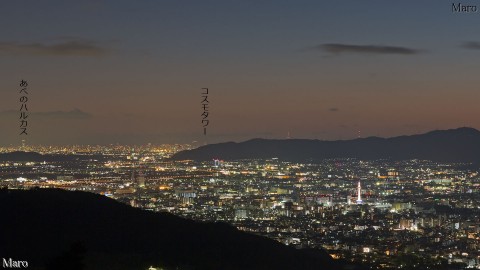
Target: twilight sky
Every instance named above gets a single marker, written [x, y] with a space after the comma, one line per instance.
[131, 72]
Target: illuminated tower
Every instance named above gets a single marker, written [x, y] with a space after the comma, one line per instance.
[359, 191]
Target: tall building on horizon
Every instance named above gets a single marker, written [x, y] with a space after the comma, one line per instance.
[359, 193]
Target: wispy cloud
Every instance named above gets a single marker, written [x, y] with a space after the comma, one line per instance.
[71, 47]
[73, 114]
[473, 45]
[336, 48]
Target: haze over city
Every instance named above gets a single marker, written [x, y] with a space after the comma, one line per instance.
[103, 72]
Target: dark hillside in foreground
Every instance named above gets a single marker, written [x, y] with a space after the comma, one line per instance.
[454, 145]
[64, 229]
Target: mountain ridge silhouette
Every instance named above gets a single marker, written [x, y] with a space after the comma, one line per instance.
[49, 227]
[453, 145]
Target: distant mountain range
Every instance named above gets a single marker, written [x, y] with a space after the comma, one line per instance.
[454, 145]
[57, 229]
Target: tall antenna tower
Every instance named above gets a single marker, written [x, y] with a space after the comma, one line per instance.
[359, 193]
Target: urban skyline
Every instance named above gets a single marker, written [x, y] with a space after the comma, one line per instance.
[117, 120]
[382, 214]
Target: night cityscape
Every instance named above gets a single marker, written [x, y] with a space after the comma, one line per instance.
[411, 214]
[239, 135]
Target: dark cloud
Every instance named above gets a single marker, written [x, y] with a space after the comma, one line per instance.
[73, 114]
[471, 45]
[71, 47]
[333, 109]
[335, 48]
